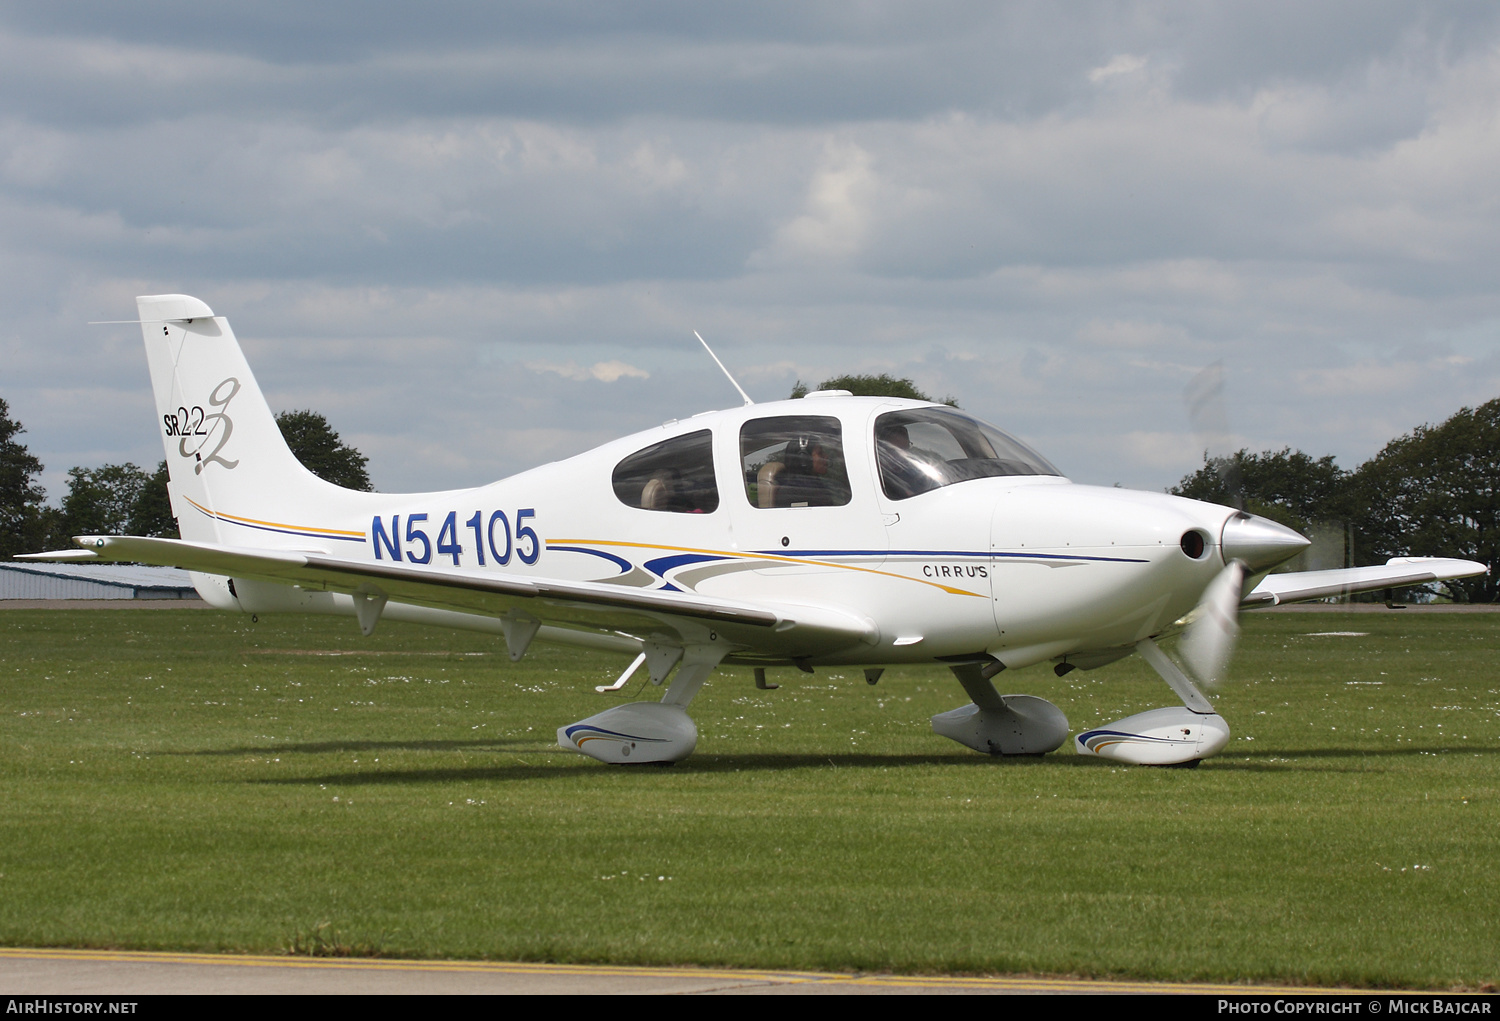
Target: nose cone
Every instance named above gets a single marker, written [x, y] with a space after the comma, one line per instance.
[1259, 542]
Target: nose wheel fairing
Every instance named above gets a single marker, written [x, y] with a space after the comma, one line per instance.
[1172, 736]
[1159, 737]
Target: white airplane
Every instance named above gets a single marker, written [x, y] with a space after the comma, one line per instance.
[827, 531]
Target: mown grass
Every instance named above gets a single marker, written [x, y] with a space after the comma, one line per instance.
[190, 780]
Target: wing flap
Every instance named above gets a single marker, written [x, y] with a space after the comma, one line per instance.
[567, 602]
[1398, 572]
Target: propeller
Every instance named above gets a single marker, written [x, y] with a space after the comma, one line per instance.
[1214, 627]
[1204, 399]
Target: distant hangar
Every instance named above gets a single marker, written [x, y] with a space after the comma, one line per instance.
[93, 581]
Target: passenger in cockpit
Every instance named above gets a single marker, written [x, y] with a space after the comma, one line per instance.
[805, 481]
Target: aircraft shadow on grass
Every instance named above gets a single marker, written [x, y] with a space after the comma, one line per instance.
[703, 764]
[327, 747]
[1260, 762]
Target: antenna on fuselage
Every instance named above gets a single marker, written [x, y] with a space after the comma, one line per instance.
[720, 364]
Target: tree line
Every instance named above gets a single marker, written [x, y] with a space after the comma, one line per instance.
[1431, 492]
[123, 499]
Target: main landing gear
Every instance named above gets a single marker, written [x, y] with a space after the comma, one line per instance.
[998, 724]
[647, 732]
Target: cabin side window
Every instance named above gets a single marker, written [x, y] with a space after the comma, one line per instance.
[676, 475]
[794, 461]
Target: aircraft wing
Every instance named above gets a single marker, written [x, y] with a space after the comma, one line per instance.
[1398, 572]
[798, 630]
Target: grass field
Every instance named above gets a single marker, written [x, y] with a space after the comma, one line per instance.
[190, 780]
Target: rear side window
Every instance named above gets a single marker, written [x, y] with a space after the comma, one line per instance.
[794, 461]
[676, 475]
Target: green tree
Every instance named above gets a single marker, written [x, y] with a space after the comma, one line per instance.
[113, 499]
[1433, 492]
[49, 532]
[883, 385]
[20, 496]
[321, 452]
[151, 514]
[100, 500]
[1288, 486]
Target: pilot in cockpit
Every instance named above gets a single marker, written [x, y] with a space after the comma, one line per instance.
[893, 434]
[900, 472]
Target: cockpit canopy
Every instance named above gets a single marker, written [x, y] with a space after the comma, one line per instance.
[802, 461]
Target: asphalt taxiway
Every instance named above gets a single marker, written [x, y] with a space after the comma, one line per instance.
[119, 973]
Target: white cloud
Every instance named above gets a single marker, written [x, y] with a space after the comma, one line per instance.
[604, 372]
[836, 216]
[1124, 64]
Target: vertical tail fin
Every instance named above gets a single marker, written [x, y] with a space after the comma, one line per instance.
[225, 454]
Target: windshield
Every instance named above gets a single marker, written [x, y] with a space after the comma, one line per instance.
[928, 448]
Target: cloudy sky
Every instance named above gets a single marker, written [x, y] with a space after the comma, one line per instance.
[478, 236]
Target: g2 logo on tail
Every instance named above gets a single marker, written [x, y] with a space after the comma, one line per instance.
[198, 428]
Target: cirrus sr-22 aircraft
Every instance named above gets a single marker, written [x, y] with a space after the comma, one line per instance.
[827, 531]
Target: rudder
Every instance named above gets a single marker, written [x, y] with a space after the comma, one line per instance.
[225, 454]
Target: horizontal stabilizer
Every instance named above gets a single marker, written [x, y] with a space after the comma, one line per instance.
[1398, 572]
